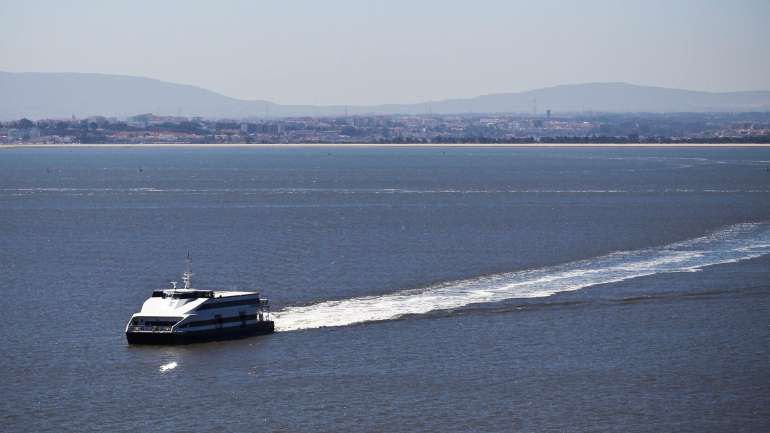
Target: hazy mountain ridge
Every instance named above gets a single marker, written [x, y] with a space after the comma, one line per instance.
[60, 95]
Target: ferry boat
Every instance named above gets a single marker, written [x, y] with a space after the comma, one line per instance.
[188, 315]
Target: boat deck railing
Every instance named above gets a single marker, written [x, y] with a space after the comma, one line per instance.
[139, 328]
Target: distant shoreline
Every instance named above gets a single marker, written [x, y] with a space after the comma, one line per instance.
[378, 145]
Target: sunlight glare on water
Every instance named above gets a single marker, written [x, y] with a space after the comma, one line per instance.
[167, 367]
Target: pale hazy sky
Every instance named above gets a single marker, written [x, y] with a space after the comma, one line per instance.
[367, 52]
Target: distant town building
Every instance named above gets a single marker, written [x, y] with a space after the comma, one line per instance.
[416, 128]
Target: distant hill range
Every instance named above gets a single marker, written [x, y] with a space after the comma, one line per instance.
[61, 95]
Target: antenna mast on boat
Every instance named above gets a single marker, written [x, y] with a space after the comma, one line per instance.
[187, 276]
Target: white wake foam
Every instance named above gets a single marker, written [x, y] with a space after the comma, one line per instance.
[731, 244]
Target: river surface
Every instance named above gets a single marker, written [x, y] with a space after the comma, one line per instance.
[414, 290]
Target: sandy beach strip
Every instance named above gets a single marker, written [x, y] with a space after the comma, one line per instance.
[379, 145]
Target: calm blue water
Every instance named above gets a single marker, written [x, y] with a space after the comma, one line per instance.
[438, 290]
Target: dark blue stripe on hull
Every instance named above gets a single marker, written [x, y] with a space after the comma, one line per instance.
[230, 333]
